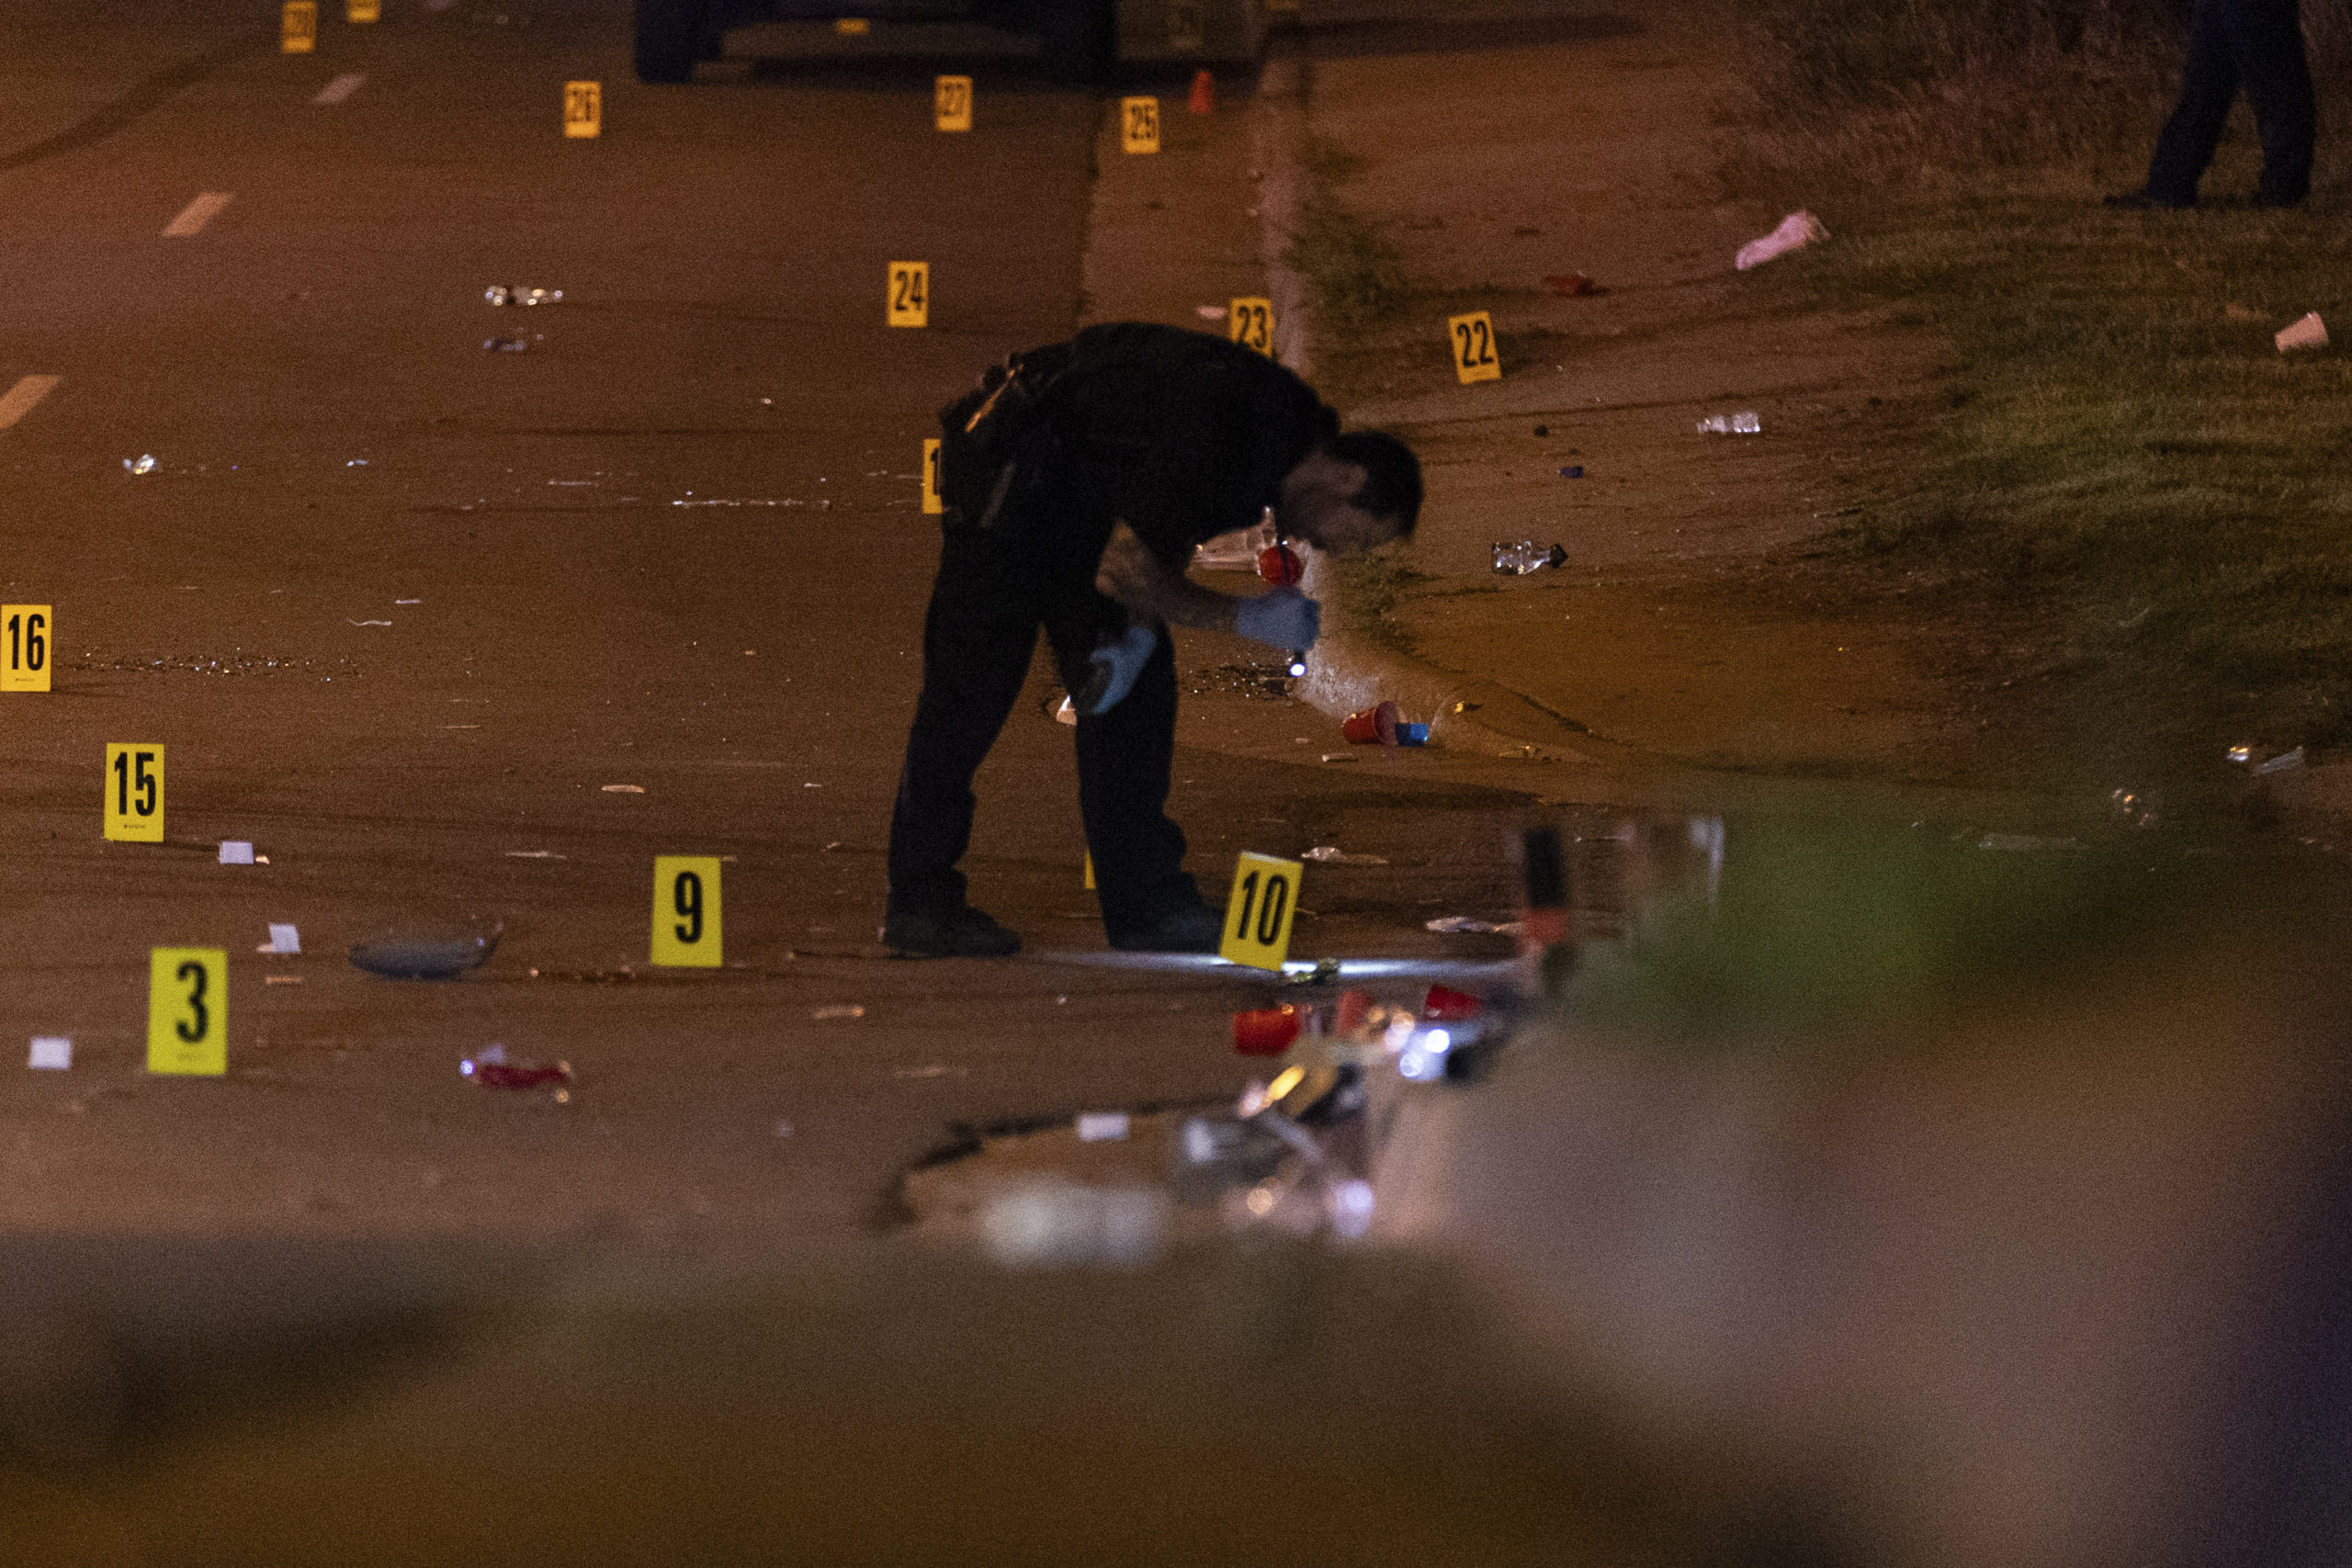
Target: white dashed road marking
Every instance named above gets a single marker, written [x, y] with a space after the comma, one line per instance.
[195, 215]
[19, 399]
[340, 88]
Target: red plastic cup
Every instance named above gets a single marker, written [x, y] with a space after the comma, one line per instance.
[1204, 93]
[1265, 1031]
[1353, 1008]
[1445, 1005]
[1280, 565]
[1371, 727]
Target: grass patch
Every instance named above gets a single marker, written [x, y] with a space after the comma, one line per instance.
[1370, 586]
[1822, 929]
[2120, 442]
[1353, 275]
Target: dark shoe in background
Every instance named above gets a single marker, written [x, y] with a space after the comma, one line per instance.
[1191, 928]
[960, 933]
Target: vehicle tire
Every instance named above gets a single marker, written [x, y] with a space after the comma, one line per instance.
[669, 39]
[1081, 38]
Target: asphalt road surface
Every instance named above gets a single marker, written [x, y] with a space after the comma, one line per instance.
[400, 609]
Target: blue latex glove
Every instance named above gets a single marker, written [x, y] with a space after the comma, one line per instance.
[1284, 618]
[1115, 665]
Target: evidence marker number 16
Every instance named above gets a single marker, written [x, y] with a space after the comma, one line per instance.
[1259, 914]
[685, 912]
[29, 632]
[134, 792]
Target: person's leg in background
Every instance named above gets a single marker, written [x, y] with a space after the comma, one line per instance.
[2209, 83]
[979, 636]
[2276, 75]
[1125, 760]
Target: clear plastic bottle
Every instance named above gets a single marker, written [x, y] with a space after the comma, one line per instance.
[1742, 423]
[1518, 557]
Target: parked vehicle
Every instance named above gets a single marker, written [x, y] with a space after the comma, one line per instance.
[1078, 40]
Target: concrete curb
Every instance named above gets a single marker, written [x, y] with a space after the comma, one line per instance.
[1344, 673]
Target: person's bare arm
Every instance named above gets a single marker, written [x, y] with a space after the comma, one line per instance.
[1130, 574]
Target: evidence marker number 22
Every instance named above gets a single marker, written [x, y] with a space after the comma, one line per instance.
[1474, 347]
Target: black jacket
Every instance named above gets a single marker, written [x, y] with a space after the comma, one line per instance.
[1181, 434]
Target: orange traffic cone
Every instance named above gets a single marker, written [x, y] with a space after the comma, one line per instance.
[1203, 92]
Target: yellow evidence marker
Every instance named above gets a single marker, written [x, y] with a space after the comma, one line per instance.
[30, 632]
[298, 26]
[1474, 347]
[1249, 322]
[911, 294]
[363, 10]
[1258, 915]
[1140, 125]
[685, 911]
[187, 1010]
[932, 505]
[951, 102]
[583, 109]
[134, 805]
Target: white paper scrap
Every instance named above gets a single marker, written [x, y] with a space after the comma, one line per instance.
[236, 852]
[1101, 1126]
[53, 1051]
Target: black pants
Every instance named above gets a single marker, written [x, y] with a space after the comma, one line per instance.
[2256, 45]
[1034, 567]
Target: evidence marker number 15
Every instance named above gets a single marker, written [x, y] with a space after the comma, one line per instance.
[134, 792]
[29, 631]
[1259, 914]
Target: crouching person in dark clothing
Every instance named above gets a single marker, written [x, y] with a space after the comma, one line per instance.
[1078, 480]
